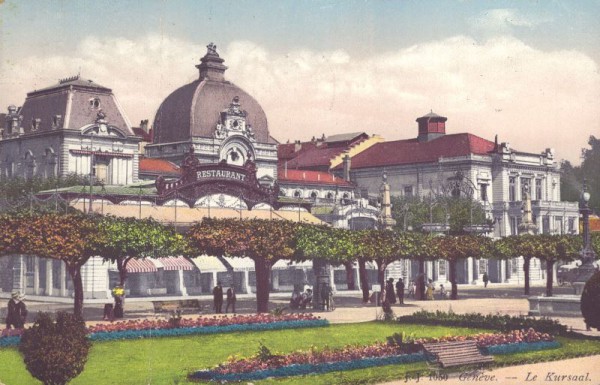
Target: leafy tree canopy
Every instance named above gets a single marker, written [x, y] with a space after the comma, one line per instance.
[572, 176]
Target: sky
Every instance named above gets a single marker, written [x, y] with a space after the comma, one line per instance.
[527, 71]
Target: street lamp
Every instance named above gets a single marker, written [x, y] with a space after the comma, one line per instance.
[587, 254]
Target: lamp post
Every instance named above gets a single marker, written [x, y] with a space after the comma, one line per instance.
[587, 254]
[91, 171]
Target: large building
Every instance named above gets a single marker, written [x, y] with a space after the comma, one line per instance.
[209, 153]
[63, 129]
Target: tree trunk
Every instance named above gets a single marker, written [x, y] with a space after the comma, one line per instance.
[381, 266]
[75, 273]
[364, 281]
[420, 284]
[350, 275]
[549, 277]
[452, 276]
[263, 274]
[122, 267]
[526, 264]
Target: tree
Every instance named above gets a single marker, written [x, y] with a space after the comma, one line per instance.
[423, 250]
[589, 169]
[71, 238]
[17, 193]
[557, 248]
[590, 301]
[55, 352]
[527, 246]
[455, 247]
[336, 246]
[129, 238]
[264, 241]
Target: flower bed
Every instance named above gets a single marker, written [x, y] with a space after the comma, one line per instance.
[503, 323]
[135, 329]
[264, 364]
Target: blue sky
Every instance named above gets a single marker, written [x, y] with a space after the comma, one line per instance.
[525, 70]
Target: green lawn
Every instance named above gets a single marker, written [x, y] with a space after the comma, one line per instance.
[169, 360]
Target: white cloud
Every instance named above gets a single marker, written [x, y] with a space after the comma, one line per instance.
[530, 98]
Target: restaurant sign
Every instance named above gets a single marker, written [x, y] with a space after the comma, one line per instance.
[201, 179]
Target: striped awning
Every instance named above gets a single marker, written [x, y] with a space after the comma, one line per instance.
[140, 266]
[208, 263]
[173, 263]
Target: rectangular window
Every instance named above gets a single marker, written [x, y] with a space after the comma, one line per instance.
[513, 226]
[558, 225]
[571, 225]
[538, 189]
[525, 188]
[483, 192]
[408, 191]
[546, 225]
[512, 189]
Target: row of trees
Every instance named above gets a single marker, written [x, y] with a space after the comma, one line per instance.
[74, 238]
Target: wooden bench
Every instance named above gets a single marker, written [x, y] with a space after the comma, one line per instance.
[171, 306]
[456, 353]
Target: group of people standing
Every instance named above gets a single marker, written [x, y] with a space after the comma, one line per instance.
[391, 294]
[218, 298]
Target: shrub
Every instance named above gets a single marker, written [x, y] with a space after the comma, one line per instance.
[405, 343]
[590, 301]
[503, 323]
[55, 352]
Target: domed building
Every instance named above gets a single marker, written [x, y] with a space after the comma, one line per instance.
[219, 120]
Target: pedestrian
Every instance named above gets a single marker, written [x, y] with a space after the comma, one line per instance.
[118, 293]
[430, 290]
[218, 298]
[485, 279]
[400, 291]
[443, 292]
[326, 296]
[231, 298]
[412, 288]
[390, 296]
[17, 311]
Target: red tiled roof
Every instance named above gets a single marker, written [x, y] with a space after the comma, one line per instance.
[139, 131]
[158, 166]
[412, 151]
[315, 157]
[311, 177]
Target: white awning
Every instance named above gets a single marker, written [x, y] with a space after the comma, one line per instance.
[208, 264]
[283, 264]
[240, 264]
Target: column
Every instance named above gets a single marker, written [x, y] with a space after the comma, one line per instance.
[356, 278]
[246, 283]
[19, 273]
[49, 283]
[332, 279]
[275, 279]
[428, 270]
[215, 279]
[63, 280]
[182, 288]
[36, 276]
[469, 270]
[476, 263]
[502, 275]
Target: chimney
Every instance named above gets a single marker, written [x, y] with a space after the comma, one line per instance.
[347, 162]
[431, 126]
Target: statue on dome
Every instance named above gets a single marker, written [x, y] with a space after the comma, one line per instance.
[212, 49]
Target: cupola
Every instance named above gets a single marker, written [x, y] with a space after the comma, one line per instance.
[431, 126]
[211, 65]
